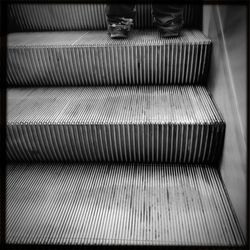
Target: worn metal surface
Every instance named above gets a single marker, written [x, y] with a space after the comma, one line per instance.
[119, 205]
[92, 58]
[38, 17]
[121, 124]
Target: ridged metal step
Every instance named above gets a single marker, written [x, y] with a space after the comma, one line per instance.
[92, 58]
[38, 17]
[114, 124]
[119, 205]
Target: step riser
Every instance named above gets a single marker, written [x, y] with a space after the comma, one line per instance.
[116, 143]
[35, 17]
[169, 63]
[119, 205]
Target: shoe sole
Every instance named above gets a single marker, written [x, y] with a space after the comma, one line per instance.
[118, 36]
[170, 35]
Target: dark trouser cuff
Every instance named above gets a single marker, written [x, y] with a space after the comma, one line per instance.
[114, 11]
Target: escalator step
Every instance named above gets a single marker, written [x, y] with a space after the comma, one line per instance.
[119, 205]
[92, 58]
[38, 17]
[114, 124]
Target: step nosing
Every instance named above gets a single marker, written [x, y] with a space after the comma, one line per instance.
[93, 39]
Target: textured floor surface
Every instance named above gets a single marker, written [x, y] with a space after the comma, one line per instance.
[74, 16]
[93, 58]
[122, 124]
[118, 204]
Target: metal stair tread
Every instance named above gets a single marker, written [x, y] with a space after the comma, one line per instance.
[119, 204]
[112, 105]
[173, 124]
[80, 16]
[100, 38]
[92, 58]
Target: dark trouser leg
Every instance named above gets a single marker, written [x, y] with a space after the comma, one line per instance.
[116, 12]
[169, 18]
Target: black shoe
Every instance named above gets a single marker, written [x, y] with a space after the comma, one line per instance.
[170, 33]
[171, 29]
[120, 30]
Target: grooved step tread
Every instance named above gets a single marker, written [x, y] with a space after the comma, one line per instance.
[163, 124]
[115, 105]
[100, 37]
[119, 205]
[75, 16]
[92, 58]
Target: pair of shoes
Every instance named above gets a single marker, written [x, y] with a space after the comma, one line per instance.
[120, 29]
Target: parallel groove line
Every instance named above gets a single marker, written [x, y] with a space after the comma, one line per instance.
[34, 17]
[124, 203]
[149, 124]
[118, 204]
[90, 58]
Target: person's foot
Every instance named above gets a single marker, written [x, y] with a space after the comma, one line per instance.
[171, 29]
[170, 33]
[120, 29]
